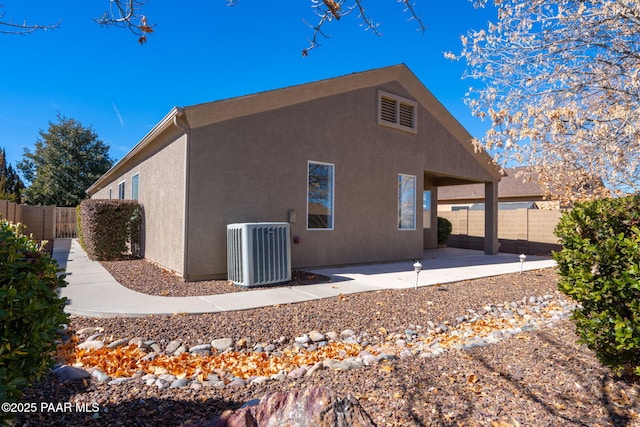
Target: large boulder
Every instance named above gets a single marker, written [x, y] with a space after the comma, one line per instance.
[315, 406]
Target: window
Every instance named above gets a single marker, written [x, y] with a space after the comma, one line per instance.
[406, 202]
[110, 193]
[135, 184]
[397, 112]
[320, 189]
[121, 190]
[426, 209]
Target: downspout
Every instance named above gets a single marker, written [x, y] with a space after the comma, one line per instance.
[180, 121]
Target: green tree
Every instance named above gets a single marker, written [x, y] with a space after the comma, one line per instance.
[66, 161]
[11, 185]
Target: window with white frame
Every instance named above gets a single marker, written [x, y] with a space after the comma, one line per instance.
[406, 202]
[135, 186]
[320, 195]
[110, 193]
[121, 190]
[397, 112]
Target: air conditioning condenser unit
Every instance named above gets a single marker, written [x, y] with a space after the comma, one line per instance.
[258, 253]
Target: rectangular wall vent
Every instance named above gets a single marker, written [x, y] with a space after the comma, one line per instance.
[258, 253]
[397, 112]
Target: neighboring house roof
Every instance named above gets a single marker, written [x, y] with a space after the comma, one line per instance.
[213, 112]
[506, 206]
[509, 187]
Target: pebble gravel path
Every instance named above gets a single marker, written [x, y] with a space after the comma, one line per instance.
[496, 351]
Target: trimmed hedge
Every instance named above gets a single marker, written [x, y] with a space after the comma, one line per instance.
[30, 311]
[444, 230]
[599, 267]
[111, 228]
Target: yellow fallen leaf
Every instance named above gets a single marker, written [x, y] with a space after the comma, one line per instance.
[387, 368]
[397, 395]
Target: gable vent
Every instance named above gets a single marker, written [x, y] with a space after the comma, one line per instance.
[388, 109]
[406, 115]
[397, 112]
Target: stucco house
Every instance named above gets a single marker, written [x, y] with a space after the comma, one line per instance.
[348, 162]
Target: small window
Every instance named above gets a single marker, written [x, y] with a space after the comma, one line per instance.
[406, 202]
[320, 189]
[121, 190]
[397, 112]
[110, 193]
[426, 209]
[135, 184]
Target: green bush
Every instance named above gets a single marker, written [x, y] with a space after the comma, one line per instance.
[79, 227]
[111, 228]
[444, 230]
[599, 267]
[30, 310]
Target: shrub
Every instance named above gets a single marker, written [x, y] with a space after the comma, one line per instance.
[599, 267]
[79, 227]
[444, 230]
[111, 228]
[30, 310]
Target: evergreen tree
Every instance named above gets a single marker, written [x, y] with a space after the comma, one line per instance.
[11, 185]
[67, 159]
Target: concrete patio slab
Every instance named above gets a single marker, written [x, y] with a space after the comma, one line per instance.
[93, 292]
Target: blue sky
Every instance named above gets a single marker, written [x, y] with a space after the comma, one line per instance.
[205, 51]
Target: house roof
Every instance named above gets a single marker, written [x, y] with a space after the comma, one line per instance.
[510, 186]
[213, 112]
[506, 206]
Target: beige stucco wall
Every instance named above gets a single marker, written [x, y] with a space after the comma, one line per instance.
[161, 193]
[254, 169]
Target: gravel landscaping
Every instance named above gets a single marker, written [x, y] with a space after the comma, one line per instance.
[143, 276]
[425, 364]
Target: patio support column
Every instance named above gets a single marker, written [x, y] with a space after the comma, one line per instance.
[491, 218]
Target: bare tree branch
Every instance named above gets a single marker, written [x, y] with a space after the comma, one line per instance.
[409, 7]
[9, 27]
[328, 10]
[126, 14]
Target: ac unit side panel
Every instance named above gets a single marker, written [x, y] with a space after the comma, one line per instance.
[258, 253]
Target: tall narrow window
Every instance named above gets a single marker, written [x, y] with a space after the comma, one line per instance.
[320, 188]
[406, 202]
[135, 184]
[110, 193]
[121, 190]
[426, 209]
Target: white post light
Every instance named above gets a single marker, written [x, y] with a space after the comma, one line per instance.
[417, 267]
[523, 258]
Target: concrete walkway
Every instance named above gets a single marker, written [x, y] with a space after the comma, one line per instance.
[93, 292]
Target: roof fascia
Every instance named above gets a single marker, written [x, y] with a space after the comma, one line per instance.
[148, 139]
[218, 111]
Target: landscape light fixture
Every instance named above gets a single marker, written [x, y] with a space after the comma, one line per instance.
[417, 267]
[523, 258]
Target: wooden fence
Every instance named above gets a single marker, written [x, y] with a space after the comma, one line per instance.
[528, 231]
[42, 222]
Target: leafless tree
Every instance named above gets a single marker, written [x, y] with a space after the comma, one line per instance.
[8, 26]
[129, 14]
[559, 81]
